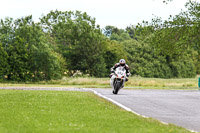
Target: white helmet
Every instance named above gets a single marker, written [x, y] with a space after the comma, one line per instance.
[122, 62]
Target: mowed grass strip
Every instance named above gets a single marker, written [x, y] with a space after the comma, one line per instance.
[72, 112]
[133, 83]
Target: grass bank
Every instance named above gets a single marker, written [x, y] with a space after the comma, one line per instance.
[133, 83]
[74, 112]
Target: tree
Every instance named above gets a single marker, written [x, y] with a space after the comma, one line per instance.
[47, 64]
[78, 39]
[20, 39]
[44, 63]
[178, 33]
[4, 63]
[113, 53]
[109, 30]
[145, 62]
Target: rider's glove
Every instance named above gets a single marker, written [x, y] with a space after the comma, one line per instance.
[127, 74]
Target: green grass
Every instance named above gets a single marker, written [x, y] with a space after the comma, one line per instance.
[70, 112]
[133, 83]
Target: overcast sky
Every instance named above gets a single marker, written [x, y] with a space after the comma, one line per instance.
[119, 13]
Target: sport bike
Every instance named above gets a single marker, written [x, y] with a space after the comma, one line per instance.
[118, 79]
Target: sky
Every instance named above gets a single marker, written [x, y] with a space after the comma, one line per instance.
[119, 13]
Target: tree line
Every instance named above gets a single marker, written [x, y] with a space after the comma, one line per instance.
[65, 43]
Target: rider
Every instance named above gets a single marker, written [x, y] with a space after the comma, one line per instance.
[122, 63]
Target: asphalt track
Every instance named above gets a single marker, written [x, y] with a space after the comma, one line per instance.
[179, 107]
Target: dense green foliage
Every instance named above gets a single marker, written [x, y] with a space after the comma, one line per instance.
[81, 42]
[70, 43]
[163, 49]
[27, 54]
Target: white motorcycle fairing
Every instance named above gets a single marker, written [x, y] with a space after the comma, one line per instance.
[118, 79]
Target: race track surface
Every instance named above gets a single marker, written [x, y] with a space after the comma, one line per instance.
[179, 107]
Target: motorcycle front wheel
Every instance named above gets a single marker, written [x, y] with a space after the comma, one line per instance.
[116, 87]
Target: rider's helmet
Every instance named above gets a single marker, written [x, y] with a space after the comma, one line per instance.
[122, 62]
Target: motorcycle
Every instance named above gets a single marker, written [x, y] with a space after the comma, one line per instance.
[118, 79]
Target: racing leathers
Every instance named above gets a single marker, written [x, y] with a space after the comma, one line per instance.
[115, 67]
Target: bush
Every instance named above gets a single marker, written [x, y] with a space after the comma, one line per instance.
[147, 63]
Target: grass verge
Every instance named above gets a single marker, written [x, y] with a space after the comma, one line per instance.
[74, 112]
[133, 83]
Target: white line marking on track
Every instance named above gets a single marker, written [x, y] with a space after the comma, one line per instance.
[124, 107]
[115, 102]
